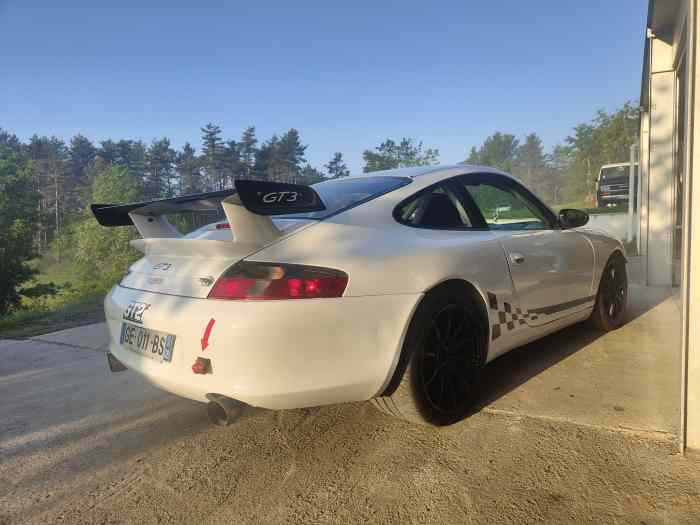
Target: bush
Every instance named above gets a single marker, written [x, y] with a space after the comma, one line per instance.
[102, 255]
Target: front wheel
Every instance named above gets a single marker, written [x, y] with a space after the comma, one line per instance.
[611, 301]
[446, 341]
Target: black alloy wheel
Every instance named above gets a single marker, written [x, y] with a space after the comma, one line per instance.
[614, 290]
[446, 371]
[611, 303]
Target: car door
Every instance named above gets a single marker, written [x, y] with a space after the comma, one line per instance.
[551, 268]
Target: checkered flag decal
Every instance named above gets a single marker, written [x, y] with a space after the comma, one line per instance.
[508, 317]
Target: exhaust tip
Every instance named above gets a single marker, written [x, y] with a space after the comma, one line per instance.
[222, 410]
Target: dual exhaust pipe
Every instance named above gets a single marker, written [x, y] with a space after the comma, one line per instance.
[223, 410]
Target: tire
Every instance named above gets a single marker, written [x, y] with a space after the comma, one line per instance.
[437, 370]
[611, 300]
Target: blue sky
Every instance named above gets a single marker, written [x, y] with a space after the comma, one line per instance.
[345, 74]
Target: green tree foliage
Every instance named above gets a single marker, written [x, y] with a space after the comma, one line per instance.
[281, 158]
[10, 141]
[311, 175]
[81, 155]
[604, 140]
[498, 151]
[158, 177]
[531, 166]
[247, 148]
[18, 218]
[391, 155]
[102, 255]
[212, 157]
[188, 170]
[337, 168]
[231, 158]
[569, 171]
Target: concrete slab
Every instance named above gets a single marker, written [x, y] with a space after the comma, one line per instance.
[81, 445]
[627, 379]
[92, 336]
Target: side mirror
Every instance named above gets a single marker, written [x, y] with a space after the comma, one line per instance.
[570, 218]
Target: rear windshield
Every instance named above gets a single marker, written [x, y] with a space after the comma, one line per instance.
[341, 194]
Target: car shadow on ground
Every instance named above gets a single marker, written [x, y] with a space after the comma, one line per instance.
[511, 370]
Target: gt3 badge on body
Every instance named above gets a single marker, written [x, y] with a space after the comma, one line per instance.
[134, 312]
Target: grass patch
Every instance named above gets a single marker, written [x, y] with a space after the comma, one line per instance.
[75, 304]
[79, 311]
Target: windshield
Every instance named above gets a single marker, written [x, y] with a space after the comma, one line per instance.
[341, 194]
[616, 172]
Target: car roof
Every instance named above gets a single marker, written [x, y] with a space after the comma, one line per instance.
[435, 171]
[424, 176]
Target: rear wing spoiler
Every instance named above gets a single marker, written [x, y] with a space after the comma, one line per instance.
[247, 209]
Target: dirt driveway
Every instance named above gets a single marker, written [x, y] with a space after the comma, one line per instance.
[81, 445]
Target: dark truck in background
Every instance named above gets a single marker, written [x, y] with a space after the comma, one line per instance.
[613, 185]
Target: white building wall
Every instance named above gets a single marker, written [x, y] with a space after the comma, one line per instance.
[690, 281]
[659, 196]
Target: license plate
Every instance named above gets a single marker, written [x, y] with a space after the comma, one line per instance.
[149, 343]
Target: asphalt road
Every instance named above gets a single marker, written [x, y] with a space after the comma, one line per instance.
[81, 445]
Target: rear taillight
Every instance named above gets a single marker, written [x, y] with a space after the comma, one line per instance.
[223, 226]
[259, 281]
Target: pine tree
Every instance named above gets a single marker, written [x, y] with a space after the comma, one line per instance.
[11, 142]
[49, 158]
[158, 180]
[497, 151]
[290, 157]
[231, 161]
[212, 153]
[188, 171]
[265, 159]
[311, 175]
[530, 164]
[336, 167]
[81, 153]
[18, 220]
[391, 155]
[247, 150]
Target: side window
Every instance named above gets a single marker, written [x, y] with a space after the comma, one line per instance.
[505, 208]
[437, 208]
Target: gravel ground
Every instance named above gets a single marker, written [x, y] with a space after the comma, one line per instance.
[78, 445]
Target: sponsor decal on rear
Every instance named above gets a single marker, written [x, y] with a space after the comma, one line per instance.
[134, 312]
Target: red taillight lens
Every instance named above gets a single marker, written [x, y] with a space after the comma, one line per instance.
[223, 226]
[249, 280]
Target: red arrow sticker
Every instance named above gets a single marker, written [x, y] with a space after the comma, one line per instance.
[207, 333]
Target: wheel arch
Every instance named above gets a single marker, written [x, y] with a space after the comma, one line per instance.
[458, 286]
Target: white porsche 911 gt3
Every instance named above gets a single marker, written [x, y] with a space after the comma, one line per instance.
[395, 286]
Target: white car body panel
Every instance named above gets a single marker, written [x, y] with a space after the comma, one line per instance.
[267, 354]
[298, 353]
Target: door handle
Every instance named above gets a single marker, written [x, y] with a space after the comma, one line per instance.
[517, 258]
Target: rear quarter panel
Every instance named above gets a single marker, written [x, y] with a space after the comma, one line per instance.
[383, 257]
[603, 247]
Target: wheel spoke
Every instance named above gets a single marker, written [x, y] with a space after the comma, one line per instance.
[438, 333]
[449, 347]
[453, 390]
[436, 373]
[442, 387]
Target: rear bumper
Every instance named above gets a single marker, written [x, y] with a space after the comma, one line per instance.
[272, 354]
[614, 197]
